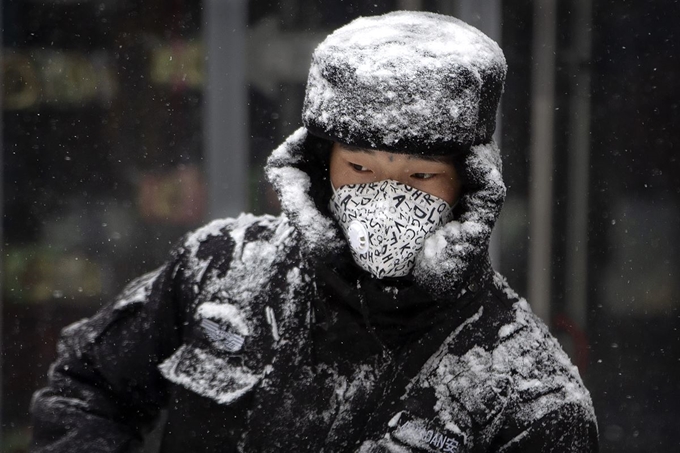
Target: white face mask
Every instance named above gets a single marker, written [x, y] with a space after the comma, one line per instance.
[386, 223]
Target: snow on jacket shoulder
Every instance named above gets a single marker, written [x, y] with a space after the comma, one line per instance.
[179, 324]
[233, 269]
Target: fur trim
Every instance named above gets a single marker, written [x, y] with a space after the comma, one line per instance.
[320, 235]
[457, 253]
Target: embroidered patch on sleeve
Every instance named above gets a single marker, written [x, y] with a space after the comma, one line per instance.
[220, 338]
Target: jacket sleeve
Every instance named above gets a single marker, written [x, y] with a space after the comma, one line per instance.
[104, 390]
[569, 429]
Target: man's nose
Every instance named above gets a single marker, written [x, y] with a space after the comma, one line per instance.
[394, 176]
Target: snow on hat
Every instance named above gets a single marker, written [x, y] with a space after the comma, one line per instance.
[406, 81]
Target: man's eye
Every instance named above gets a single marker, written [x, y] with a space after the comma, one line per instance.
[359, 168]
[423, 175]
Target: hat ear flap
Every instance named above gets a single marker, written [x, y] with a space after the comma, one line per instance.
[316, 163]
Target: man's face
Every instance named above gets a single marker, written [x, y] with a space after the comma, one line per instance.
[436, 176]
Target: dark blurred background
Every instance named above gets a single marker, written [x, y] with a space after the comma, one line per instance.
[126, 123]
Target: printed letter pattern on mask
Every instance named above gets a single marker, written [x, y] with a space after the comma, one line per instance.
[386, 223]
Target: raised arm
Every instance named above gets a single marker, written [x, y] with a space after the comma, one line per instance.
[104, 390]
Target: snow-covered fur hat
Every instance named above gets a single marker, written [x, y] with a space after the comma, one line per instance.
[414, 82]
[456, 118]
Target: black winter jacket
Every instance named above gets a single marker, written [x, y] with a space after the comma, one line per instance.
[259, 336]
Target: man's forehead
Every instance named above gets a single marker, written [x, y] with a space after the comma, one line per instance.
[391, 155]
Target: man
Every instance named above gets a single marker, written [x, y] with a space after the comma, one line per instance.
[365, 318]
